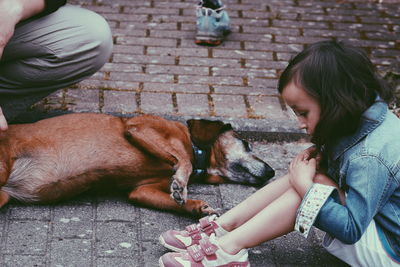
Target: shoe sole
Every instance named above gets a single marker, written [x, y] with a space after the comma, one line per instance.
[162, 242]
[161, 264]
[207, 39]
[204, 38]
[208, 42]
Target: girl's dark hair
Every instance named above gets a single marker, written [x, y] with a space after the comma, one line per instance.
[342, 79]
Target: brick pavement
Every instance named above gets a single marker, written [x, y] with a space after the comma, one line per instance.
[156, 68]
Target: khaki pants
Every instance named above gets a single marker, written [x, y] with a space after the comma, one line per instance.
[49, 53]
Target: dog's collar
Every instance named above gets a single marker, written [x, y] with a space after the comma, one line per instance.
[200, 161]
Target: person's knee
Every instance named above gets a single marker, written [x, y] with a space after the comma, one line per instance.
[96, 32]
[83, 37]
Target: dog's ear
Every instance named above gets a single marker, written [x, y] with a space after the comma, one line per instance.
[204, 132]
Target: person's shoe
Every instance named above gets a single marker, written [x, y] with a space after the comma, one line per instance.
[180, 240]
[206, 254]
[212, 22]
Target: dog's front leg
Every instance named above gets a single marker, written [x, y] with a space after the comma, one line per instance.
[183, 170]
[154, 196]
[4, 173]
[169, 150]
[4, 198]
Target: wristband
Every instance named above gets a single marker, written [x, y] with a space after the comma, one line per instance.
[309, 208]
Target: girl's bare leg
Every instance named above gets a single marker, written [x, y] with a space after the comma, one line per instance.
[275, 220]
[254, 204]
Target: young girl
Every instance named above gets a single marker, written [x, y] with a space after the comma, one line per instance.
[340, 102]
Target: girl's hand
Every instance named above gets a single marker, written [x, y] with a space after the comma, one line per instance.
[301, 172]
[311, 152]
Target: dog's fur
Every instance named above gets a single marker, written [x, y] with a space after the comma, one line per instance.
[60, 157]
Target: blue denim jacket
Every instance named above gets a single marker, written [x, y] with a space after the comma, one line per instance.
[367, 166]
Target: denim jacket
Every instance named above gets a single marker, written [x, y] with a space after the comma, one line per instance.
[366, 165]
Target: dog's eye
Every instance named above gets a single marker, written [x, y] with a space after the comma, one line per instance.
[246, 145]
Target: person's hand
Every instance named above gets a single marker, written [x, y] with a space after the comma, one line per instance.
[3, 122]
[301, 172]
[10, 15]
[12, 12]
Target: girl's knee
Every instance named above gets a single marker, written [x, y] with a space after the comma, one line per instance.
[323, 179]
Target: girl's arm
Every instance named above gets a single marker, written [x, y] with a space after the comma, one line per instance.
[367, 180]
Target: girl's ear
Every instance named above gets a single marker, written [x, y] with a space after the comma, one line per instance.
[204, 132]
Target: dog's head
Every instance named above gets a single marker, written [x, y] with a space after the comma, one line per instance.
[230, 157]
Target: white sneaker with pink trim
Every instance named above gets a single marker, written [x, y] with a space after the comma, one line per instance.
[179, 241]
[206, 254]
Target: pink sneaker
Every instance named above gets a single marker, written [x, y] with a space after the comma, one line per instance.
[206, 254]
[180, 240]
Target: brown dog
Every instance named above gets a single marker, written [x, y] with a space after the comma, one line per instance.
[60, 157]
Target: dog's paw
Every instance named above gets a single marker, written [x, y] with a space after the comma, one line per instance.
[200, 208]
[206, 210]
[178, 192]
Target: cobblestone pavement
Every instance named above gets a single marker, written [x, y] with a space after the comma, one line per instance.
[156, 68]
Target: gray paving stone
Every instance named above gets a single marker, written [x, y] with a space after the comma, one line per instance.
[266, 107]
[71, 252]
[233, 194]
[119, 102]
[27, 237]
[118, 261]
[116, 239]
[152, 251]
[24, 261]
[155, 222]
[241, 90]
[106, 211]
[189, 79]
[106, 84]
[295, 255]
[82, 100]
[141, 77]
[177, 88]
[23, 212]
[73, 221]
[156, 103]
[233, 105]
[193, 104]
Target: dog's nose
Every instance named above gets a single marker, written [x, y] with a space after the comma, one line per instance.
[270, 173]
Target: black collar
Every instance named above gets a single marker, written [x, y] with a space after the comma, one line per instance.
[200, 161]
